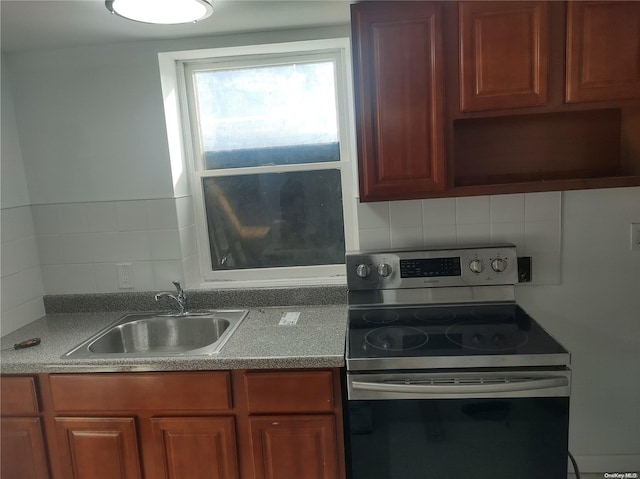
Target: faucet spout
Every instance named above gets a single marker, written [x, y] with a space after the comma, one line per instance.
[180, 298]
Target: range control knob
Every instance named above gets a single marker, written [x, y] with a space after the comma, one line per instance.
[384, 270]
[363, 271]
[476, 266]
[499, 265]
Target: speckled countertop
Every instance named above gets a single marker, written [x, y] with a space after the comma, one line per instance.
[316, 341]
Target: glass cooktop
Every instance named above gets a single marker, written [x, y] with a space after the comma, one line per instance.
[478, 335]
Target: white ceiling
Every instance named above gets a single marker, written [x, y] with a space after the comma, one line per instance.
[48, 24]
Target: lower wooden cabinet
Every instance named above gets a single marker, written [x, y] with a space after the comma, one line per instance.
[195, 447]
[294, 447]
[175, 425]
[22, 452]
[98, 448]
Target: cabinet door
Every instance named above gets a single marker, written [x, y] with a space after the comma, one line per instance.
[503, 54]
[22, 453]
[603, 50]
[397, 52]
[286, 447]
[195, 448]
[98, 448]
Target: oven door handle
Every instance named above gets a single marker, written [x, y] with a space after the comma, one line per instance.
[464, 388]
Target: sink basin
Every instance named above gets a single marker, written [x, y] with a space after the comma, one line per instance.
[162, 334]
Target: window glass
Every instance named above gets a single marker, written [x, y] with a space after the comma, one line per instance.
[275, 219]
[267, 115]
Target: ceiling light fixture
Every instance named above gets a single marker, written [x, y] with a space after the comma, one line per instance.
[165, 12]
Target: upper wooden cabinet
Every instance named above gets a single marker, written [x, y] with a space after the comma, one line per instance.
[503, 54]
[478, 98]
[399, 98]
[603, 50]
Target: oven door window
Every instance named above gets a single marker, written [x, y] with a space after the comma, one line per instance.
[524, 438]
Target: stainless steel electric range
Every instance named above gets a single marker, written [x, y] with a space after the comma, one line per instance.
[447, 376]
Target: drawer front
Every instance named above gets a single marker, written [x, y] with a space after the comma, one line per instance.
[141, 391]
[19, 397]
[289, 392]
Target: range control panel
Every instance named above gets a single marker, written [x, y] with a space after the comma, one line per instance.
[472, 266]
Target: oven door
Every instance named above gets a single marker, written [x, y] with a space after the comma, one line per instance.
[498, 425]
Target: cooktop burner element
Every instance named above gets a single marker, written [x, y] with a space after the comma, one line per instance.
[487, 336]
[380, 317]
[396, 338]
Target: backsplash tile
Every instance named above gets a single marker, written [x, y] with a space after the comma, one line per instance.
[406, 237]
[439, 211]
[439, 234]
[403, 214]
[102, 217]
[72, 218]
[472, 210]
[473, 234]
[506, 208]
[132, 215]
[373, 215]
[17, 223]
[161, 214]
[512, 232]
[375, 238]
[21, 285]
[45, 219]
[79, 253]
[542, 206]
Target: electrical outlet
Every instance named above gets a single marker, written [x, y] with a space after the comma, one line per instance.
[125, 275]
[635, 237]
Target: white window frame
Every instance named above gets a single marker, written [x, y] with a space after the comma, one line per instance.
[336, 50]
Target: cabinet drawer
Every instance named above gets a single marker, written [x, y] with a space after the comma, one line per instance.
[285, 392]
[141, 391]
[19, 396]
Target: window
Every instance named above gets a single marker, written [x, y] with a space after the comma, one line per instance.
[271, 170]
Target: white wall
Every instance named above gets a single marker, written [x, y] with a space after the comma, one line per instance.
[95, 152]
[595, 313]
[96, 155]
[21, 287]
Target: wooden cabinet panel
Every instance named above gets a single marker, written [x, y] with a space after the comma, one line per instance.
[286, 447]
[98, 448]
[503, 54]
[603, 50]
[18, 397]
[196, 448]
[397, 52]
[22, 453]
[289, 392]
[141, 391]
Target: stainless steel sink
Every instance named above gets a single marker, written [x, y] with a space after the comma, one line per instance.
[162, 334]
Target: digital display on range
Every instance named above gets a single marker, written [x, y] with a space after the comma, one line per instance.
[429, 268]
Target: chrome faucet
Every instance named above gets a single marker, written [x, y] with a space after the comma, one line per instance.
[180, 298]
